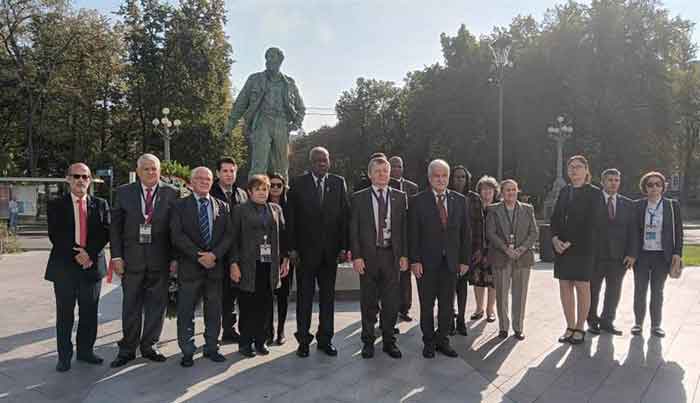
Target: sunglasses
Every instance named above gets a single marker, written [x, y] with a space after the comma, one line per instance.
[655, 184]
[276, 185]
[83, 177]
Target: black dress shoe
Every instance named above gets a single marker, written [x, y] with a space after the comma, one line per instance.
[280, 339]
[247, 351]
[453, 329]
[611, 329]
[63, 365]
[429, 351]
[329, 349]
[594, 328]
[215, 356]
[90, 358]
[187, 361]
[502, 334]
[519, 336]
[303, 350]
[368, 350]
[405, 317]
[462, 328]
[262, 349]
[447, 350]
[122, 360]
[270, 339]
[153, 355]
[392, 350]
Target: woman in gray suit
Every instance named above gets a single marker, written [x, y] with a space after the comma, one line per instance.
[512, 230]
[258, 248]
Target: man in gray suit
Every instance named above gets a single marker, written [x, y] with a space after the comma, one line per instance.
[380, 252]
[397, 181]
[142, 255]
[201, 232]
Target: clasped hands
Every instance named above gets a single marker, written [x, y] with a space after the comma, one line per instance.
[559, 246]
[83, 258]
[516, 252]
[235, 270]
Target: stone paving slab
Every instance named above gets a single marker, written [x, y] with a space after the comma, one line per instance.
[539, 369]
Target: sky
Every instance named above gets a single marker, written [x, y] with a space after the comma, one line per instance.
[328, 44]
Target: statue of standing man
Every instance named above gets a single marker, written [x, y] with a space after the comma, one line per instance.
[269, 107]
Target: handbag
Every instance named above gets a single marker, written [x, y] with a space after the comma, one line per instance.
[676, 269]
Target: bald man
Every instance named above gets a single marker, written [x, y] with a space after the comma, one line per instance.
[78, 230]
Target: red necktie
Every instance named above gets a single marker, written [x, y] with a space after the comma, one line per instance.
[149, 203]
[611, 209]
[82, 219]
[442, 210]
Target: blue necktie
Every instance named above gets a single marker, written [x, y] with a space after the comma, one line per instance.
[204, 221]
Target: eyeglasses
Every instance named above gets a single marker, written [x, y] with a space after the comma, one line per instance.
[655, 184]
[276, 185]
[83, 177]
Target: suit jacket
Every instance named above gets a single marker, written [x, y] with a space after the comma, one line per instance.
[617, 238]
[62, 265]
[318, 230]
[404, 185]
[667, 236]
[241, 195]
[127, 216]
[363, 229]
[476, 219]
[428, 239]
[184, 232]
[498, 231]
[248, 231]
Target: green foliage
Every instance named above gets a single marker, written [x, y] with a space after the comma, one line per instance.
[174, 168]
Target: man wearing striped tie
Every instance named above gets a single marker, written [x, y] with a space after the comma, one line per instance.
[200, 230]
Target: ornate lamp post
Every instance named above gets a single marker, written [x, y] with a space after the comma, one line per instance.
[167, 130]
[559, 131]
[500, 48]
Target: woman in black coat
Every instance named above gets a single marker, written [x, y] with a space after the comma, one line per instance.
[572, 238]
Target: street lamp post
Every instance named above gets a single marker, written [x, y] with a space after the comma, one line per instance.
[500, 48]
[167, 130]
[560, 131]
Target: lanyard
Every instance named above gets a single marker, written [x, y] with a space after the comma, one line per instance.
[652, 214]
[153, 202]
[512, 219]
[265, 216]
[386, 203]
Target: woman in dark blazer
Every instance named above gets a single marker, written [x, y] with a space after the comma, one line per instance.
[572, 238]
[258, 248]
[278, 195]
[661, 248]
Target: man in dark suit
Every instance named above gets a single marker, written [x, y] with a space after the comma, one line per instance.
[380, 252]
[317, 223]
[397, 181]
[225, 189]
[439, 249]
[142, 254]
[615, 251]
[79, 230]
[201, 232]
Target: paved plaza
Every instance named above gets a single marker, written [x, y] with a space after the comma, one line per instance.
[604, 369]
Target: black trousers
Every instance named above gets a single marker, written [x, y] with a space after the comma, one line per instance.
[87, 295]
[188, 294]
[462, 291]
[437, 283]
[143, 310]
[613, 272]
[405, 292]
[256, 308]
[282, 296]
[228, 306]
[308, 277]
[381, 282]
[651, 269]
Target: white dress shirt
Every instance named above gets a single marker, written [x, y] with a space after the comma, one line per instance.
[375, 208]
[653, 242]
[445, 201]
[614, 201]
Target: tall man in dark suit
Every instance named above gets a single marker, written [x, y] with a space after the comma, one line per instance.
[380, 252]
[142, 254]
[397, 181]
[201, 232]
[78, 230]
[616, 248]
[439, 249]
[317, 223]
[225, 189]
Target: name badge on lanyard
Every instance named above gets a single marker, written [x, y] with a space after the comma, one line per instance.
[145, 233]
[145, 230]
[650, 232]
[265, 251]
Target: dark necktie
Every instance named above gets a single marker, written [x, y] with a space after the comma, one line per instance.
[611, 209]
[442, 210]
[381, 217]
[229, 200]
[204, 221]
[319, 190]
[149, 201]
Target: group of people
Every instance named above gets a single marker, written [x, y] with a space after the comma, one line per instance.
[238, 250]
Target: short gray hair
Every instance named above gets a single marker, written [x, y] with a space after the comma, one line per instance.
[376, 161]
[201, 168]
[318, 150]
[438, 163]
[147, 157]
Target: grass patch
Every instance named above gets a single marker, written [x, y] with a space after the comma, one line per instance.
[691, 255]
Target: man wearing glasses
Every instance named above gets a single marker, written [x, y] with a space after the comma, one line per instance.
[79, 230]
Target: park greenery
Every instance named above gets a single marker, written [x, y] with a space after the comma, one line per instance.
[79, 85]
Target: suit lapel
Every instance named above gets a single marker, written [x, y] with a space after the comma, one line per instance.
[395, 207]
[502, 219]
[194, 207]
[68, 202]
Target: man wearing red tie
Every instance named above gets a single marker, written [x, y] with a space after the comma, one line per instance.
[79, 230]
